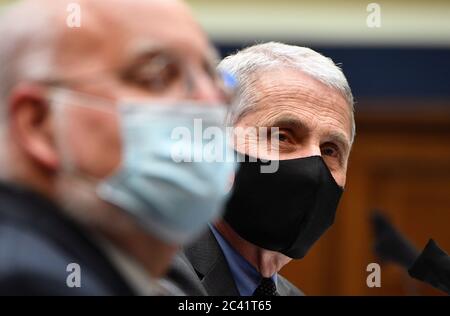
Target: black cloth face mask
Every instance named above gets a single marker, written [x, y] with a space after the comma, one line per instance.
[285, 211]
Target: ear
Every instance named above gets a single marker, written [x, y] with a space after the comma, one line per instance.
[31, 125]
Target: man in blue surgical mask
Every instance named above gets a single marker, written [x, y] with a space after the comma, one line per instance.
[92, 198]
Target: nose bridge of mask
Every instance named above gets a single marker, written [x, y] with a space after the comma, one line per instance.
[311, 175]
[173, 130]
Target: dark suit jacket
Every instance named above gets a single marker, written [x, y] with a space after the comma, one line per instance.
[37, 243]
[201, 269]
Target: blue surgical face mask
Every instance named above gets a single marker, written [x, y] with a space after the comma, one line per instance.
[176, 168]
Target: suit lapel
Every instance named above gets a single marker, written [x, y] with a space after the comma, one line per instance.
[210, 264]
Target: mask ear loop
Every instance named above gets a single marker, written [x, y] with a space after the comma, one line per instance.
[58, 102]
[58, 107]
[4, 159]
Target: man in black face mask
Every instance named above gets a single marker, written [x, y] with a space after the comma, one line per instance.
[272, 217]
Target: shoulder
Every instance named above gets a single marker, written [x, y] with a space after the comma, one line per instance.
[30, 264]
[286, 288]
[34, 263]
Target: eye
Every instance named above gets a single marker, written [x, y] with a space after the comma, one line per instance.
[158, 78]
[283, 136]
[156, 74]
[330, 150]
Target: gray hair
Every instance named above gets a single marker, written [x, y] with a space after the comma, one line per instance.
[261, 57]
[27, 47]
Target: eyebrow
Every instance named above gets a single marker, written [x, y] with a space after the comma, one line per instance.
[148, 51]
[287, 121]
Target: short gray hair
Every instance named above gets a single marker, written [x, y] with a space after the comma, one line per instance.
[261, 57]
[27, 47]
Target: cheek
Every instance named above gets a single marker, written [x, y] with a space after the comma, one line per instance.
[338, 172]
[254, 141]
[285, 259]
[94, 141]
[340, 177]
[247, 145]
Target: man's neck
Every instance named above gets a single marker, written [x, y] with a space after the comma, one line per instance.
[265, 261]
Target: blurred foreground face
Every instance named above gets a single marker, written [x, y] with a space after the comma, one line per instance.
[64, 112]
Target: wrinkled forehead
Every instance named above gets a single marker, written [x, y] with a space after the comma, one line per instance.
[295, 95]
[112, 30]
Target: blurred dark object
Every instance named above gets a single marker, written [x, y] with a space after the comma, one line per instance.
[432, 267]
[390, 245]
